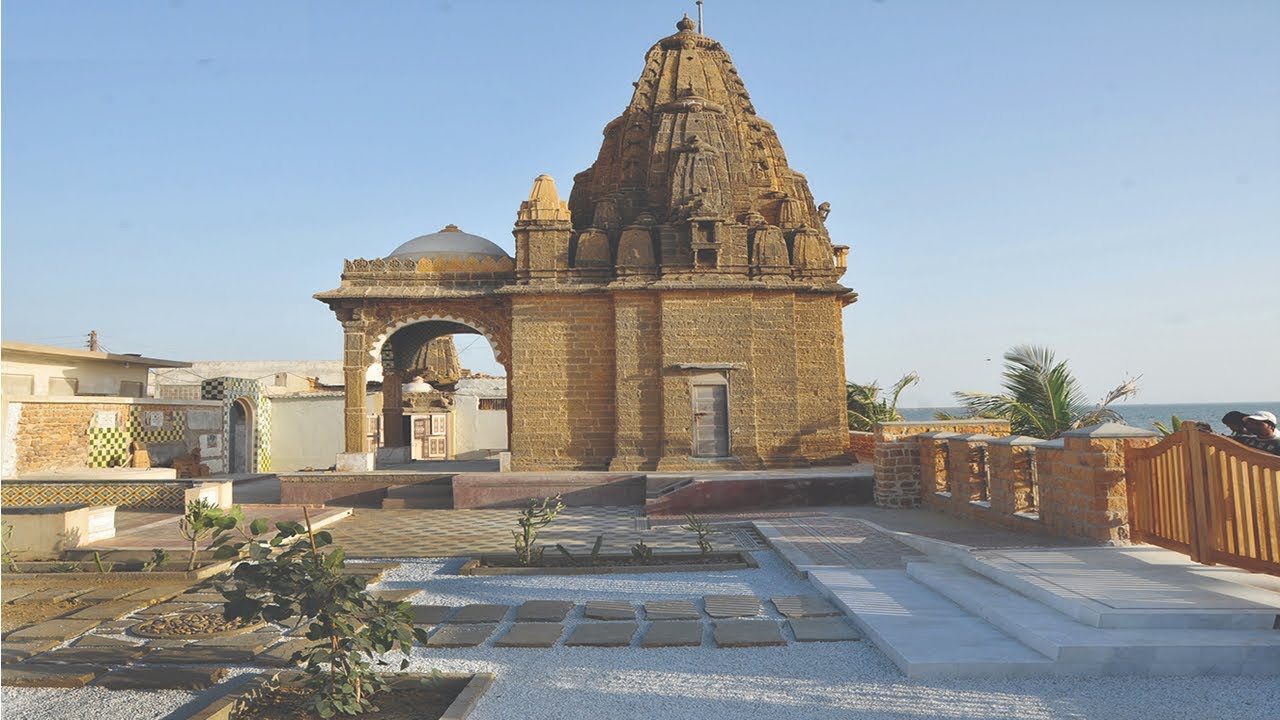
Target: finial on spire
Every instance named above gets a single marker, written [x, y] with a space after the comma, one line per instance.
[699, 4]
[685, 24]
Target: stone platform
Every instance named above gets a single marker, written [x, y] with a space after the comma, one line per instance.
[659, 493]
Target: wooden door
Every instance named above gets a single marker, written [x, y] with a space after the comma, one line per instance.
[420, 437]
[710, 421]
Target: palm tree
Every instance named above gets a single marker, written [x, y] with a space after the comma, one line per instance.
[1042, 398]
[866, 407]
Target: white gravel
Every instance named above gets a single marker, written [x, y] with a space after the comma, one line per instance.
[799, 681]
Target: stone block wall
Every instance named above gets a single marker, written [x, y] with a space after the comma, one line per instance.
[1083, 492]
[862, 446]
[563, 392]
[1079, 480]
[73, 433]
[897, 455]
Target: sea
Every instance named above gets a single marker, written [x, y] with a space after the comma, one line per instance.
[1144, 416]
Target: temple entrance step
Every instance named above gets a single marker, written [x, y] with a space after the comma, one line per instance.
[434, 494]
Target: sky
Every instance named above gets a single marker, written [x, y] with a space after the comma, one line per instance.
[1099, 177]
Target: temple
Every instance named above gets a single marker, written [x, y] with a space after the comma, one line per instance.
[681, 311]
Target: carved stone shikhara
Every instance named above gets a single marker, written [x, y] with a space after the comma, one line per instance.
[689, 254]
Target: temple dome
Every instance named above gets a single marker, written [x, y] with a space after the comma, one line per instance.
[448, 242]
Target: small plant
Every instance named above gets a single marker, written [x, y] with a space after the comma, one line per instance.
[299, 573]
[6, 552]
[102, 567]
[595, 549]
[204, 519]
[694, 524]
[532, 519]
[66, 567]
[159, 556]
[640, 551]
[568, 556]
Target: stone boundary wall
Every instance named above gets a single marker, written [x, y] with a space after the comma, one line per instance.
[1072, 487]
[897, 455]
[74, 433]
[862, 446]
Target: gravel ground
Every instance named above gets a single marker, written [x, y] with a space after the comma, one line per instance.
[797, 682]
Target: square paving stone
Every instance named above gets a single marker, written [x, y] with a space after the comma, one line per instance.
[158, 593]
[104, 641]
[544, 611]
[193, 655]
[458, 636]
[113, 610]
[170, 678]
[252, 642]
[118, 655]
[397, 595]
[531, 635]
[603, 634]
[479, 613]
[282, 655]
[14, 651]
[610, 610]
[801, 606]
[673, 633]
[727, 606]
[671, 610]
[57, 676]
[9, 595]
[747, 633]
[106, 594]
[64, 629]
[824, 629]
[429, 614]
[174, 608]
[51, 595]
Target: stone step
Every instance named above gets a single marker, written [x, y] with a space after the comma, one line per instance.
[1126, 592]
[431, 495]
[1084, 649]
[922, 632]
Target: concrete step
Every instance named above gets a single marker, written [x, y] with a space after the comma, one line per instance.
[432, 495]
[1107, 588]
[922, 632]
[1077, 648]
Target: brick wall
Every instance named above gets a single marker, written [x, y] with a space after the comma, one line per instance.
[862, 446]
[61, 435]
[897, 455]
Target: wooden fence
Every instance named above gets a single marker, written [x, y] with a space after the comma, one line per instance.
[1207, 496]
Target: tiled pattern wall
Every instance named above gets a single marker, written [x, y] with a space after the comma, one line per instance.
[121, 494]
[228, 390]
[109, 447]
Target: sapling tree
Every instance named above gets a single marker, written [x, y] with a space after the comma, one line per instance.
[204, 519]
[538, 515]
[298, 574]
[694, 524]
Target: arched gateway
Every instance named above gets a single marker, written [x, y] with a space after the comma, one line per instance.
[681, 311]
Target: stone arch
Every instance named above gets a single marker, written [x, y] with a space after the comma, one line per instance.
[493, 326]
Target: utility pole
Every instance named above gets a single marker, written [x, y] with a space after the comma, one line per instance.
[93, 340]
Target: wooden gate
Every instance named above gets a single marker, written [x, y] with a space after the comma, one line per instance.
[1207, 496]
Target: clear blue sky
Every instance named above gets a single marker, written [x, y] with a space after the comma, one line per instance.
[1102, 177]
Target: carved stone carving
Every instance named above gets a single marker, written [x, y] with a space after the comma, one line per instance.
[635, 247]
[811, 249]
[769, 248]
[593, 250]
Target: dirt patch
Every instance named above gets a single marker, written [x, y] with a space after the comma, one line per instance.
[16, 615]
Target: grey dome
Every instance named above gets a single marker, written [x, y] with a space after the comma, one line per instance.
[448, 242]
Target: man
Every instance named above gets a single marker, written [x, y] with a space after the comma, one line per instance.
[1262, 425]
[1234, 421]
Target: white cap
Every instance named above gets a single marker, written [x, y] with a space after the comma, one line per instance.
[1263, 415]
